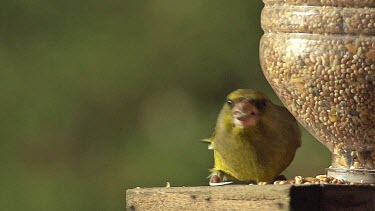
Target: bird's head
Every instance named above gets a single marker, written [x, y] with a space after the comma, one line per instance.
[246, 106]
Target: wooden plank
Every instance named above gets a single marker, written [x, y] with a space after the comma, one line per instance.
[231, 197]
[305, 197]
[253, 197]
[352, 197]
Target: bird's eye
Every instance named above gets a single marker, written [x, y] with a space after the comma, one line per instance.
[229, 102]
[260, 104]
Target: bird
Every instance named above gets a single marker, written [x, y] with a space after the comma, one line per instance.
[254, 139]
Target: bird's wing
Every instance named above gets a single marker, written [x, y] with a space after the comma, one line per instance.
[209, 141]
[294, 128]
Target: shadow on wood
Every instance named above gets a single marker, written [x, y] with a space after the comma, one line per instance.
[253, 197]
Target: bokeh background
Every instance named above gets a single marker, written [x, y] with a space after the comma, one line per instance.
[101, 96]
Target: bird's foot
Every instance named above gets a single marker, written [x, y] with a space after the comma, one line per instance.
[218, 179]
[280, 177]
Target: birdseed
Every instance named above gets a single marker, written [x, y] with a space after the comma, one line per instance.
[322, 66]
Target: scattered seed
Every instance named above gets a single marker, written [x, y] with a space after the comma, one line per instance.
[298, 180]
[320, 179]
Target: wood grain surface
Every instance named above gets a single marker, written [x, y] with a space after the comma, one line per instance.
[253, 197]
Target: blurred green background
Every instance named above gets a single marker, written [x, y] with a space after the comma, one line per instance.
[101, 96]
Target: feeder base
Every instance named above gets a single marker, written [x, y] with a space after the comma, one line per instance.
[352, 175]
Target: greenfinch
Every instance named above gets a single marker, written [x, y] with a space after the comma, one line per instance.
[254, 140]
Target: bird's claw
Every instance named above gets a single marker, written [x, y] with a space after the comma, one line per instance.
[217, 179]
[220, 183]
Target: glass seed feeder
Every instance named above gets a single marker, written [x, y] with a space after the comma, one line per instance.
[319, 57]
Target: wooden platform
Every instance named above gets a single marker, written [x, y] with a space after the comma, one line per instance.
[253, 197]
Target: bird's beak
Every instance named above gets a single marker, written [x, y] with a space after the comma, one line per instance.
[245, 113]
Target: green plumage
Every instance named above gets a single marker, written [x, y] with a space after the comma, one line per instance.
[259, 152]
